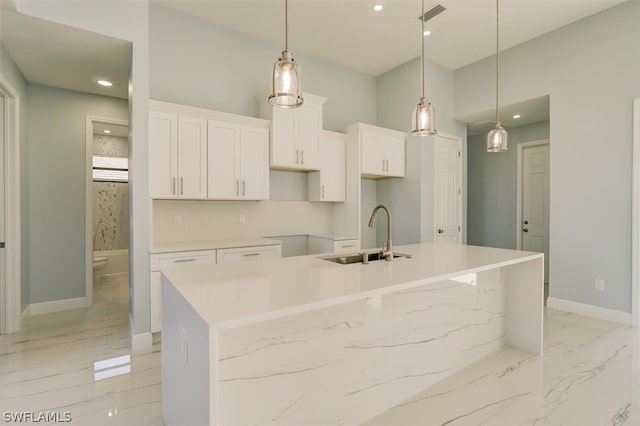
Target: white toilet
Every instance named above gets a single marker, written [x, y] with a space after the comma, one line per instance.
[99, 263]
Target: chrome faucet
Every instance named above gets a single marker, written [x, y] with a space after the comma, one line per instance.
[387, 252]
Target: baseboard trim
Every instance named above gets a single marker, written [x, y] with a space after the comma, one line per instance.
[141, 342]
[590, 310]
[25, 313]
[56, 306]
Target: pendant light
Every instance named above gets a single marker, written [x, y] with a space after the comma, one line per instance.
[424, 116]
[498, 137]
[285, 85]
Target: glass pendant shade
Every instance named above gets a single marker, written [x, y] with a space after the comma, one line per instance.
[423, 119]
[286, 88]
[497, 139]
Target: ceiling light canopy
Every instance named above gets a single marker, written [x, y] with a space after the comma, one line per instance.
[423, 119]
[498, 138]
[286, 89]
[105, 83]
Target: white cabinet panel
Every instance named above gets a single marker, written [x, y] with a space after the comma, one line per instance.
[177, 156]
[163, 154]
[295, 134]
[192, 157]
[244, 254]
[346, 246]
[238, 162]
[329, 183]
[383, 152]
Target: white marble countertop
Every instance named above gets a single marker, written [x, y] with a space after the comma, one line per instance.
[231, 295]
[169, 247]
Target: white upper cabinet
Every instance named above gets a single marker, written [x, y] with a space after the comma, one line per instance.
[177, 156]
[329, 183]
[238, 161]
[295, 134]
[383, 151]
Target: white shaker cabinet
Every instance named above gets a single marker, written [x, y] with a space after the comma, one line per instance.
[383, 151]
[295, 134]
[177, 156]
[238, 162]
[329, 183]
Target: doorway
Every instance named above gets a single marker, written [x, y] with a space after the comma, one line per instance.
[107, 202]
[532, 233]
[448, 189]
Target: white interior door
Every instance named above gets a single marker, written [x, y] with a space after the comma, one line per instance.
[3, 274]
[448, 189]
[535, 202]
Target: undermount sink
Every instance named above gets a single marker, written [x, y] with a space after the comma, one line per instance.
[347, 259]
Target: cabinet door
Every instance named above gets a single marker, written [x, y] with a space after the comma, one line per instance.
[394, 154]
[223, 152]
[373, 154]
[308, 137]
[192, 157]
[284, 152]
[163, 154]
[254, 163]
[333, 170]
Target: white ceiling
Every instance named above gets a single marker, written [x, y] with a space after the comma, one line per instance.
[56, 55]
[350, 33]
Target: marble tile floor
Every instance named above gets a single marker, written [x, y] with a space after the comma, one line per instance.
[589, 375]
[49, 365]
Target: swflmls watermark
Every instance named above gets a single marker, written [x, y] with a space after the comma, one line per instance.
[36, 417]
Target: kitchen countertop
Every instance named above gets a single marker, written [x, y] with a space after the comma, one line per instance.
[231, 295]
[169, 247]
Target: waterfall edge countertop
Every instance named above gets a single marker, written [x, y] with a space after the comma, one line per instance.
[170, 247]
[232, 295]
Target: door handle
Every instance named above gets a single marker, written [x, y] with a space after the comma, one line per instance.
[440, 231]
[525, 230]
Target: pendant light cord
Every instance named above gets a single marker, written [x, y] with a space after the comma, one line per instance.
[422, 39]
[286, 25]
[497, 59]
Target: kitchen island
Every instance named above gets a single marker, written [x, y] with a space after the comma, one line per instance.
[303, 340]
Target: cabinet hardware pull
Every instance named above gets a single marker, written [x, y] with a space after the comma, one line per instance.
[237, 187]
[193, 259]
[302, 152]
[297, 156]
[244, 187]
[181, 186]
[173, 186]
[348, 245]
[323, 192]
[383, 165]
[251, 254]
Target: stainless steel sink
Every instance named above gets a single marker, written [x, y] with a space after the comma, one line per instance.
[347, 259]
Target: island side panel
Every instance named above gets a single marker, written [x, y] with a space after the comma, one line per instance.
[414, 338]
[185, 361]
[524, 284]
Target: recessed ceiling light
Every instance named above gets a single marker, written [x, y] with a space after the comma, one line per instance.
[516, 116]
[107, 131]
[377, 7]
[427, 32]
[105, 83]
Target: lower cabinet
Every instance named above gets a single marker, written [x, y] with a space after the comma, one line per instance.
[317, 245]
[225, 255]
[157, 261]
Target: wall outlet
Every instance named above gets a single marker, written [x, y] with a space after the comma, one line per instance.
[177, 220]
[599, 284]
[241, 219]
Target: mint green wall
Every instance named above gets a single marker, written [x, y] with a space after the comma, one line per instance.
[57, 197]
[198, 63]
[411, 199]
[13, 75]
[591, 71]
[492, 189]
